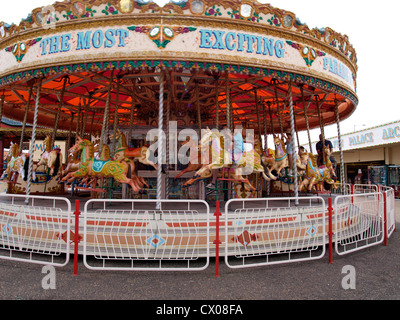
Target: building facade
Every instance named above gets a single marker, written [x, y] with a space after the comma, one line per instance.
[374, 147]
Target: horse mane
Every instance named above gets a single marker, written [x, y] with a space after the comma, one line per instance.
[57, 164]
[48, 142]
[14, 150]
[123, 140]
[90, 148]
[105, 153]
[313, 159]
[281, 142]
[327, 159]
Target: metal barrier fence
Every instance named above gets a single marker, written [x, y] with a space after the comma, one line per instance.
[274, 231]
[177, 234]
[342, 189]
[358, 222]
[35, 229]
[389, 212]
[137, 235]
[364, 188]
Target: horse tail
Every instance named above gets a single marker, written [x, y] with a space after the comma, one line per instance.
[57, 164]
[26, 168]
[327, 186]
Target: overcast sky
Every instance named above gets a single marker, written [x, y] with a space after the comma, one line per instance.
[370, 28]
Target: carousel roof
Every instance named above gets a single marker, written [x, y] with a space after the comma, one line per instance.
[219, 59]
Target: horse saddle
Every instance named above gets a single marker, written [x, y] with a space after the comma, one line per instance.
[98, 165]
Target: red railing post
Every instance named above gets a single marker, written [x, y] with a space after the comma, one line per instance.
[76, 237]
[217, 241]
[385, 218]
[330, 231]
[352, 192]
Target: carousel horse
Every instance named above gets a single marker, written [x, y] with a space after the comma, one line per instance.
[15, 163]
[73, 164]
[98, 168]
[51, 159]
[327, 161]
[74, 161]
[194, 158]
[216, 157]
[314, 175]
[302, 161]
[104, 154]
[280, 160]
[123, 151]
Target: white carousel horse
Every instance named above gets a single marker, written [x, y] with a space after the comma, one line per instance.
[50, 158]
[15, 164]
[217, 157]
[280, 159]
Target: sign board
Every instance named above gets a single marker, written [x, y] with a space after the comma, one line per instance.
[218, 44]
[40, 148]
[373, 137]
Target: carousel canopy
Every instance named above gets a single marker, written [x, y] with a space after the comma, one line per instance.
[223, 62]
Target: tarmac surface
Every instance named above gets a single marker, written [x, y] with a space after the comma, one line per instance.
[376, 271]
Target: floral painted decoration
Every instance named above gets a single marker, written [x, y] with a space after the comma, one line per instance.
[109, 9]
[309, 54]
[20, 49]
[274, 21]
[161, 36]
[213, 12]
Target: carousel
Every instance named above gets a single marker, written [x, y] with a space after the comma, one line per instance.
[123, 85]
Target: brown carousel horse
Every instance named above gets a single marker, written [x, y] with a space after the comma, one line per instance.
[194, 157]
[50, 158]
[123, 151]
[73, 164]
[90, 167]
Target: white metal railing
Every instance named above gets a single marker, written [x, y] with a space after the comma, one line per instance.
[274, 231]
[137, 235]
[177, 234]
[35, 229]
[342, 189]
[358, 222]
[390, 215]
[364, 188]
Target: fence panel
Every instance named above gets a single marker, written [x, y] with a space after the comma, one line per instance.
[390, 209]
[274, 231]
[139, 235]
[364, 188]
[35, 229]
[342, 189]
[358, 222]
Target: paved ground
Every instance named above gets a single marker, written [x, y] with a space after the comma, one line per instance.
[377, 272]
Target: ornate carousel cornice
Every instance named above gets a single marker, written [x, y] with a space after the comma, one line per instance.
[72, 14]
